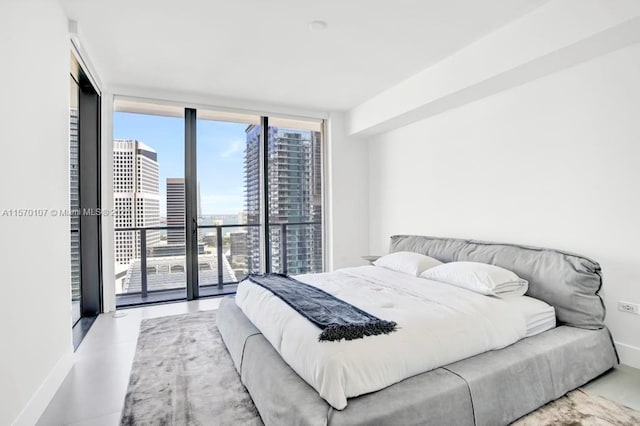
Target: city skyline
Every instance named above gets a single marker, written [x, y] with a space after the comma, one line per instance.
[294, 195]
[220, 156]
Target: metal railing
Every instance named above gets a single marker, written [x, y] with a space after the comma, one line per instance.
[218, 229]
[144, 285]
[283, 240]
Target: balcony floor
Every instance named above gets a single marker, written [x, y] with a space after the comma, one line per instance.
[136, 299]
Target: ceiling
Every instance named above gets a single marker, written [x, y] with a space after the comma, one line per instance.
[263, 50]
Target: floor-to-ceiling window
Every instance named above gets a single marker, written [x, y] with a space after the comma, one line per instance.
[84, 210]
[227, 194]
[294, 182]
[228, 200]
[149, 203]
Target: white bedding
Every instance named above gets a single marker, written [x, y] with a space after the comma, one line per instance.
[538, 315]
[437, 324]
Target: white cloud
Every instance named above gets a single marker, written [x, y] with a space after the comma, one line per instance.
[233, 148]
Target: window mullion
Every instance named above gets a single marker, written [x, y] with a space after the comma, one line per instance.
[265, 251]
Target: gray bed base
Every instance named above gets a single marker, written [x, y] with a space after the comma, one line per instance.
[493, 388]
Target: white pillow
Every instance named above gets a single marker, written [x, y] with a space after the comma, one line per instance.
[479, 277]
[407, 262]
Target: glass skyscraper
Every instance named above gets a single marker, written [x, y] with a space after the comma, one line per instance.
[294, 196]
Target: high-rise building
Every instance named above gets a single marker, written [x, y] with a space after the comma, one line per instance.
[316, 201]
[74, 193]
[294, 196]
[176, 212]
[238, 253]
[242, 217]
[238, 247]
[136, 187]
[252, 197]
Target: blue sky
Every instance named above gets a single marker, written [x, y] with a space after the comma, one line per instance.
[220, 156]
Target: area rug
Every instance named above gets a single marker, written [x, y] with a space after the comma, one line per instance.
[183, 375]
[578, 408]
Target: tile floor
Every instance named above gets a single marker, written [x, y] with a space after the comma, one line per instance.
[93, 392]
[622, 385]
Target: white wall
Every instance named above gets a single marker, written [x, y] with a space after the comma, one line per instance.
[347, 200]
[555, 163]
[106, 191]
[35, 317]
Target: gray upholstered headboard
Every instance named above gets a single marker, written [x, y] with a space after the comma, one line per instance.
[568, 282]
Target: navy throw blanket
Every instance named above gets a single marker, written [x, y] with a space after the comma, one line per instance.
[336, 318]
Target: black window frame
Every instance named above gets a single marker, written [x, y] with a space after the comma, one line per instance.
[90, 201]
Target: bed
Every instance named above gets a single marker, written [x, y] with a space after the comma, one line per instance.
[526, 365]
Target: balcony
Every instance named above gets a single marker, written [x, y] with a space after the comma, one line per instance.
[152, 270]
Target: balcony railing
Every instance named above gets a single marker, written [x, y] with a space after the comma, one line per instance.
[219, 244]
[304, 258]
[144, 285]
[284, 230]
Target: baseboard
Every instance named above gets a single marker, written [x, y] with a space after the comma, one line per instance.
[42, 397]
[629, 355]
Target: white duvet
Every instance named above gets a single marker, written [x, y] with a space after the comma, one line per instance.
[437, 324]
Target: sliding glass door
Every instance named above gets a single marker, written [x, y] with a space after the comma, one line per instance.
[228, 176]
[149, 205]
[192, 189]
